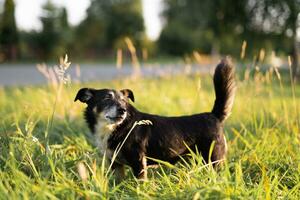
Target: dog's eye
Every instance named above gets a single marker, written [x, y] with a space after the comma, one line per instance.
[108, 97]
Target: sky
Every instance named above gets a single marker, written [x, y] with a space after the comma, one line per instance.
[28, 13]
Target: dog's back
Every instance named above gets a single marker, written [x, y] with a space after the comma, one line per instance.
[168, 137]
[196, 131]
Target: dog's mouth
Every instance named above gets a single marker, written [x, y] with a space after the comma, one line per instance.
[116, 119]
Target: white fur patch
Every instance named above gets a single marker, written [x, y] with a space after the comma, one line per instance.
[104, 127]
[103, 130]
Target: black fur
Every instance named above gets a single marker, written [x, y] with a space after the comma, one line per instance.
[167, 137]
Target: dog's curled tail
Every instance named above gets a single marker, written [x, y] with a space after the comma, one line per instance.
[224, 88]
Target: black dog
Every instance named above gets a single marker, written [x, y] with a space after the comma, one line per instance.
[110, 117]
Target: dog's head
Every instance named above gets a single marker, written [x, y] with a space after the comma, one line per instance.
[110, 105]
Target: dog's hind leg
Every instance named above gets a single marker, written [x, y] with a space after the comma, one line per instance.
[219, 153]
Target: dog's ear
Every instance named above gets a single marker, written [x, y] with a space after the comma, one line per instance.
[128, 93]
[84, 95]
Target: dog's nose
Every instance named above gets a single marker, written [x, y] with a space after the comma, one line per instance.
[121, 111]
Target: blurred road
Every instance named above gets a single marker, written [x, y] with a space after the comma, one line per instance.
[27, 74]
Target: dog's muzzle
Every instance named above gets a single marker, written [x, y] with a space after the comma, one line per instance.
[118, 116]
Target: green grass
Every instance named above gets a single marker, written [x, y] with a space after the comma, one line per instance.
[262, 132]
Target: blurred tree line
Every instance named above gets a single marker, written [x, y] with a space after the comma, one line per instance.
[221, 26]
[103, 30]
[208, 26]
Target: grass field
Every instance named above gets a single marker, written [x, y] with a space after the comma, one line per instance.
[45, 153]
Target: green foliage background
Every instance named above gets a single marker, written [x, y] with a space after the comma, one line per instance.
[209, 27]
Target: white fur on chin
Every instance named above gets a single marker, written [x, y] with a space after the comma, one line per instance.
[104, 127]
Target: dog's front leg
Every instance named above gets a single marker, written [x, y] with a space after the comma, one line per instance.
[119, 171]
[140, 169]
